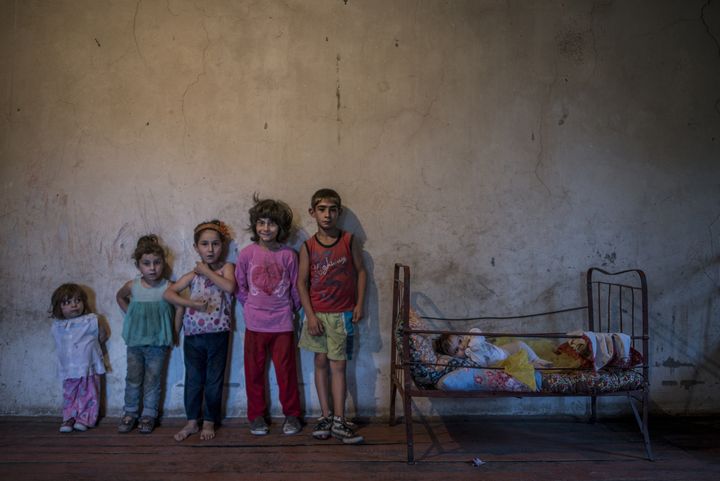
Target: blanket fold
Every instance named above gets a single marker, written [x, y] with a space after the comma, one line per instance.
[602, 348]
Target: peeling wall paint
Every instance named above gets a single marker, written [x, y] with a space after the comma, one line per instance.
[498, 148]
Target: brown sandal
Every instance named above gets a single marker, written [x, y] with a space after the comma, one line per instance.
[146, 425]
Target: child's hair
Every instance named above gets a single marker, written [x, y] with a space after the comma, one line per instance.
[275, 210]
[448, 343]
[218, 226]
[148, 244]
[64, 292]
[326, 194]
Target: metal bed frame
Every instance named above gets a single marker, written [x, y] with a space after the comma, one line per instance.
[611, 307]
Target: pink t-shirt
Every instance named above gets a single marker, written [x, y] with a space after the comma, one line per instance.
[266, 287]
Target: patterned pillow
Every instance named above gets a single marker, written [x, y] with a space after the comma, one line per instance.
[469, 379]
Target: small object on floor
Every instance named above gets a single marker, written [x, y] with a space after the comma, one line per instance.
[291, 425]
[127, 423]
[477, 462]
[67, 425]
[146, 424]
[80, 427]
[259, 427]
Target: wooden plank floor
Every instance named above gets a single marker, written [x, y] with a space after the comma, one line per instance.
[530, 449]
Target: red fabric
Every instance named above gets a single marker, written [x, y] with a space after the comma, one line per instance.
[281, 346]
[333, 278]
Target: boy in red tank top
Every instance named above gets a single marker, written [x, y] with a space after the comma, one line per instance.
[331, 285]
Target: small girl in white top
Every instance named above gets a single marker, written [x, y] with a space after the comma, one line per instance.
[80, 361]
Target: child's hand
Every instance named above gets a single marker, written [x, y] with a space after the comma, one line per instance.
[202, 269]
[314, 326]
[357, 314]
[200, 305]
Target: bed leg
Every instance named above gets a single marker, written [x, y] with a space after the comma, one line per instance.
[407, 407]
[645, 430]
[393, 392]
[642, 421]
[593, 410]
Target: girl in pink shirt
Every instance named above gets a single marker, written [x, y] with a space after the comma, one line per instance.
[266, 275]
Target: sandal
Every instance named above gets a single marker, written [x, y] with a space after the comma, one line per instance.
[127, 423]
[146, 425]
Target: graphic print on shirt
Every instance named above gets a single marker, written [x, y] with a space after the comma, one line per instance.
[329, 273]
[268, 278]
[333, 277]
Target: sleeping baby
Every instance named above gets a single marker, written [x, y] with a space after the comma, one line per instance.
[483, 353]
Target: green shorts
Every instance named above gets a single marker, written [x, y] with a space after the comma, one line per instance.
[337, 338]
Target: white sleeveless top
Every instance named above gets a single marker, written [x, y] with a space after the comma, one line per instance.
[78, 348]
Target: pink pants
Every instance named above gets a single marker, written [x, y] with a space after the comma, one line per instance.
[282, 350]
[81, 399]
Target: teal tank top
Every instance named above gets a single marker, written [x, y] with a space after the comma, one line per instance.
[149, 318]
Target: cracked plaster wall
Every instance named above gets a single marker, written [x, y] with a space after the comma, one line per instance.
[497, 147]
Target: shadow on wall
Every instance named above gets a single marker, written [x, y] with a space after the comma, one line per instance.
[368, 341]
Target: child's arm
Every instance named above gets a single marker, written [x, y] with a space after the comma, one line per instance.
[102, 333]
[123, 296]
[293, 270]
[225, 280]
[241, 289]
[172, 294]
[313, 323]
[359, 310]
[178, 322]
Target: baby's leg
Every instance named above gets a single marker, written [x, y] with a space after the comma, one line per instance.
[517, 346]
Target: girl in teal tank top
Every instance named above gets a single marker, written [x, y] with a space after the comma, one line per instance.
[148, 331]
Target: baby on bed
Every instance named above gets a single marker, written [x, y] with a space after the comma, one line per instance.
[483, 353]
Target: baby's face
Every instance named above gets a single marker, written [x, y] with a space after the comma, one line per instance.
[458, 346]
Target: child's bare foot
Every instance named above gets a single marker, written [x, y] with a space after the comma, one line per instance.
[208, 431]
[190, 428]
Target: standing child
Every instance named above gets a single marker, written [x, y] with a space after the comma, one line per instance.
[266, 277]
[207, 328]
[80, 361]
[148, 334]
[331, 284]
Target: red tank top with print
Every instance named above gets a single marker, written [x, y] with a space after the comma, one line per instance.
[333, 278]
